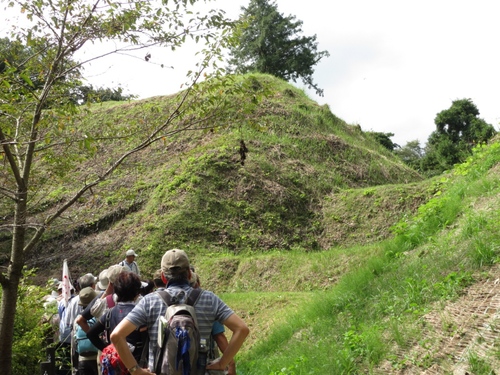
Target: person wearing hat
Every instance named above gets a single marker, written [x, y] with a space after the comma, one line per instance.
[106, 300]
[103, 281]
[87, 362]
[158, 281]
[209, 308]
[130, 262]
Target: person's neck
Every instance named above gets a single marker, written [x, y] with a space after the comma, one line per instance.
[178, 283]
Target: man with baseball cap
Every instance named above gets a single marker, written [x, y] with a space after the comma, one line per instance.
[209, 308]
[130, 262]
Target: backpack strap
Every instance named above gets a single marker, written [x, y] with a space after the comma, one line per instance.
[193, 296]
[110, 301]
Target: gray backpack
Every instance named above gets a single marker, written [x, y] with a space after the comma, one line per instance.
[178, 336]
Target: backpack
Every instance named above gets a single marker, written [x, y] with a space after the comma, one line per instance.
[111, 364]
[178, 336]
[84, 346]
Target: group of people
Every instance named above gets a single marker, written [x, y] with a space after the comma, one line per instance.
[119, 308]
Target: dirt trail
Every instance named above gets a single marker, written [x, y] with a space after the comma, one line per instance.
[468, 327]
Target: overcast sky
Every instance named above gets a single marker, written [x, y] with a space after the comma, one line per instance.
[393, 65]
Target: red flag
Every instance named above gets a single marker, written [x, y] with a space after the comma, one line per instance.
[66, 283]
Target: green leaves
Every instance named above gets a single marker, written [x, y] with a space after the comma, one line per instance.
[458, 130]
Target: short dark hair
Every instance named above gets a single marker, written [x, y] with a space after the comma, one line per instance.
[127, 286]
[177, 274]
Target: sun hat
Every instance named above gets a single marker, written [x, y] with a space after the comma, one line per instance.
[103, 282]
[113, 272]
[174, 260]
[86, 296]
[130, 253]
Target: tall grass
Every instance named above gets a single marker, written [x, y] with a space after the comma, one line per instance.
[371, 313]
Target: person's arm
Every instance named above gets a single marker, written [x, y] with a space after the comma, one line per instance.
[222, 343]
[240, 332]
[94, 335]
[119, 339]
[82, 322]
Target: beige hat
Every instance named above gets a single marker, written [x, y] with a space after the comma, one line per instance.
[86, 296]
[114, 271]
[174, 259]
[103, 282]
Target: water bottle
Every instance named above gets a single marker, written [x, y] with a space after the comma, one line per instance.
[202, 357]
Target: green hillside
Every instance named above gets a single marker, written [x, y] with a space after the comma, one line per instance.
[194, 191]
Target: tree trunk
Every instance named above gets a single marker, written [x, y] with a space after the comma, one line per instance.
[10, 283]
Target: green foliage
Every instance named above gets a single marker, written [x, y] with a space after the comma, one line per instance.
[411, 154]
[479, 366]
[270, 43]
[458, 130]
[384, 139]
[88, 94]
[291, 370]
[30, 328]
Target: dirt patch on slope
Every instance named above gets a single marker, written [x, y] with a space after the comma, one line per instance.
[467, 328]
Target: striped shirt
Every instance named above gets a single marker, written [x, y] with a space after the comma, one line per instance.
[209, 309]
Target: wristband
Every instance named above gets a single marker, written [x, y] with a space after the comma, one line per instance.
[133, 369]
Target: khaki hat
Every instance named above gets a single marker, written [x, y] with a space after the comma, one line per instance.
[86, 296]
[114, 271]
[103, 282]
[173, 260]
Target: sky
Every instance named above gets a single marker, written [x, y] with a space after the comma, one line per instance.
[393, 64]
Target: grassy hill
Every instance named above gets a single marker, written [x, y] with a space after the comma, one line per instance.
[296, 189]
[341, 259]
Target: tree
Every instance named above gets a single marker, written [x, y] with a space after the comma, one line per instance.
[458, 130]
[15, 54]
[270, 43]
[384, 139]
[39, 140]
[88, 94]
[411, 154]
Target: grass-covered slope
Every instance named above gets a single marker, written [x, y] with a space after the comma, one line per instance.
[195, 191]
[424, 302]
